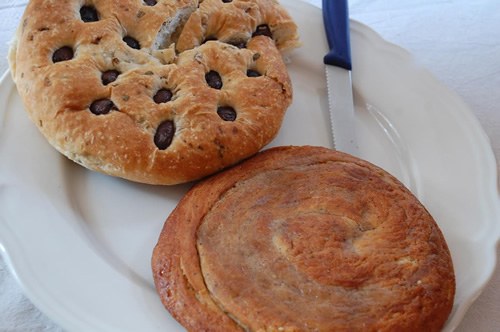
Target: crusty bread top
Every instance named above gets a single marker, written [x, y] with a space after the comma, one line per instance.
[104, 83]
[303, 239]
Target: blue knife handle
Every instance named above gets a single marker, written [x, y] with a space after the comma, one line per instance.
[336, 21]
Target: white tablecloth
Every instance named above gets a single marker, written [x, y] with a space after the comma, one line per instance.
[457, 40]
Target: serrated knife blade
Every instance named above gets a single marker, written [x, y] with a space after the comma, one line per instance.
[338, 76]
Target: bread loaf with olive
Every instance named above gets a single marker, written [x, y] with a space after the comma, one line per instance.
[105, 83]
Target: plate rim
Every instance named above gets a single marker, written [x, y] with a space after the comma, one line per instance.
[491, 167]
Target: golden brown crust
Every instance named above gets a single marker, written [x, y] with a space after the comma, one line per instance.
[303, 239]
[236, 21]
[121, 143]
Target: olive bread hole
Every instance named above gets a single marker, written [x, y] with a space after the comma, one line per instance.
[213, 80]
[163, 96]
[226, 113]
[253, 73]
[164, 134]
[63, 54]
[263, 30]
[109, 76]
[89, 14]
[102, 106]
[132, 42]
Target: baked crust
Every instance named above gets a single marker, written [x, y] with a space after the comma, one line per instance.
[58, 96]
[237, 22]
[303, 239]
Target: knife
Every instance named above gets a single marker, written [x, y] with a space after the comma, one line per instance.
[338, 75]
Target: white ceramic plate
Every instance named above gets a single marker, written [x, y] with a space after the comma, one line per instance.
[80, 242]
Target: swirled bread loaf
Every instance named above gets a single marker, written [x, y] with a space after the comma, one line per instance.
[303, 239]
[106, 85]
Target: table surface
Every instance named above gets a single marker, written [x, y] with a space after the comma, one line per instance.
[458, 41]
